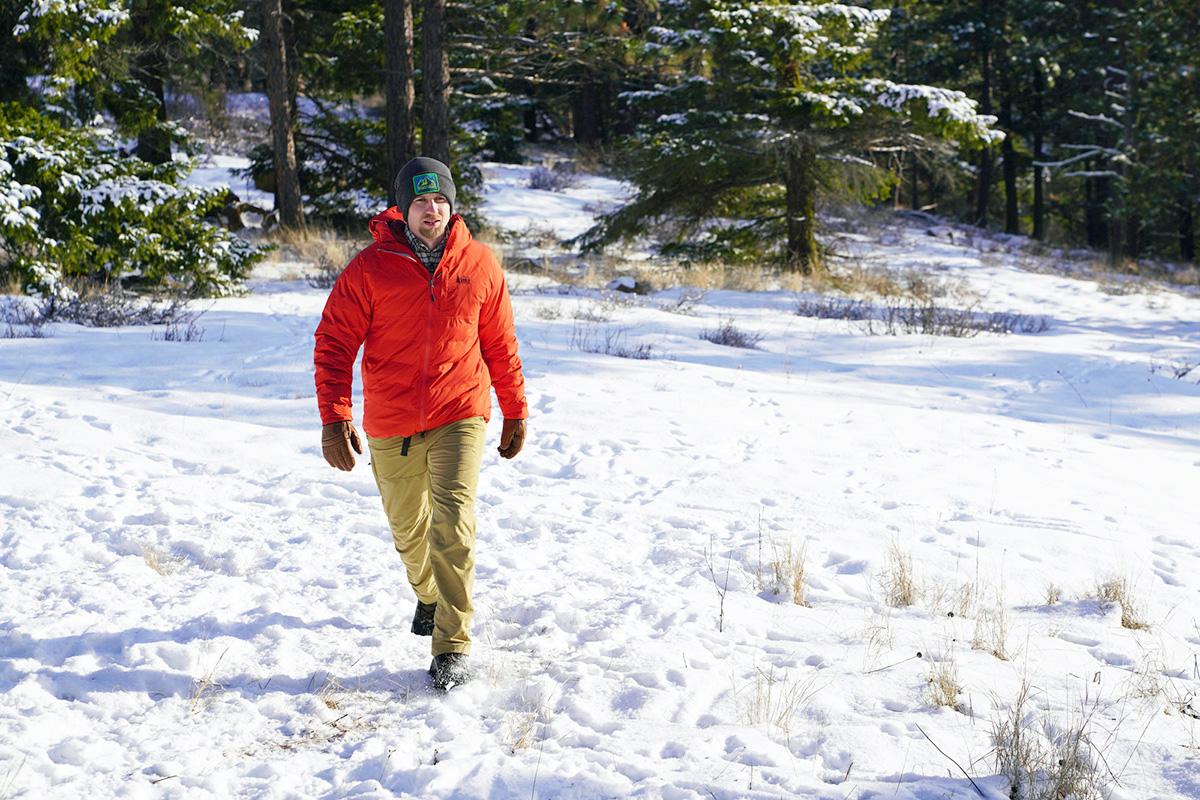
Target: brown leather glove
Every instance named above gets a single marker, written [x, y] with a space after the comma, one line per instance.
[512, 437]
[336, 440]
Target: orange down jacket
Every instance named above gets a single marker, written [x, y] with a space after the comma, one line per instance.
[432, 346]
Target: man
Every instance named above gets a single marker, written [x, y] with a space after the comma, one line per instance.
[430, 307]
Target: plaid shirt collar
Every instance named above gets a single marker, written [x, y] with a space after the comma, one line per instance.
[430, 256]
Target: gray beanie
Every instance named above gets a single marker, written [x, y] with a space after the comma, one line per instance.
[423, 176]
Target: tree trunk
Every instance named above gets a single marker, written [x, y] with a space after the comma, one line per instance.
[1039, 176]
[435, 83]
[287, 180]
[1012, 219]
[1123, 236]
[983, 181]
[588, 115]
[983, 186]
[531, 124]
[401, 95]
[1095, 193]
[915, 181]
[1039, 192]
[153, 145]
[800, 181]
[1187, 235]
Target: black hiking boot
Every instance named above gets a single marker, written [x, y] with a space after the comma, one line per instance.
[449, 669]
[423, 619]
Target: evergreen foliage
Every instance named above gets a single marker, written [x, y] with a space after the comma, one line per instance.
[71, 205]
[762, 107]
[1098, 103]
[735, 122]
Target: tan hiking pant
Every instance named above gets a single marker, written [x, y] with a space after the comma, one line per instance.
[428, 483]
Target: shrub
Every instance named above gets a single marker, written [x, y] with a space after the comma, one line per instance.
[72, 206]
[932, 320]
[729, 335]
[101, 306]
[589, 338]
[558, 179]
[833, 308]
[926, 317]
[20, 319]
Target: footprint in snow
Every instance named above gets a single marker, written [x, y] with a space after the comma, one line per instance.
[845, 565]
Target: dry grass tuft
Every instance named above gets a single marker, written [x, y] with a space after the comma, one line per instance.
[526, 726]
[879, 638]
[206, 688]
[943, 686]
[10, 778]
[788, 569]
[313, 244]
[850, 278]
[161, 560]
[898, 579]
[10, 282]
[991, 632]
[774, 695]
[783, 572]
[1118, 590]
[342, 708]
[320, 254]
[957, 602]
[1042, 760]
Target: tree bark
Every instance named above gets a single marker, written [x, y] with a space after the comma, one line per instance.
[983, 185]
[435, 83]
[1095, 193]
[588, 116]
[1012, 218]
[1039, 190]
[915, 181]
[1123, 241]
[401, 94]
[800, 182]
[1039, 174]
[287, 180]
[983, 181]
[153, 145]
[1187, 235]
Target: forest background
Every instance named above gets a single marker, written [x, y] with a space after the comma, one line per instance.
[738, 123]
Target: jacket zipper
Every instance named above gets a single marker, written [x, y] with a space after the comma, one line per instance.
[428, 349]
[428, 337]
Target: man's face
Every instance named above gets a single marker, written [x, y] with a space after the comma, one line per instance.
[428, 216]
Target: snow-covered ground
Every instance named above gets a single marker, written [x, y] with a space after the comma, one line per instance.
[196, 606]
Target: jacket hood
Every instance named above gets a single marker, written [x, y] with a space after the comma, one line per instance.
[380, 224]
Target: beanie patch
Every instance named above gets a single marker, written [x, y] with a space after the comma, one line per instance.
[425, 183]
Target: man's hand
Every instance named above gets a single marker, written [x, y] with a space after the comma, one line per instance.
[512, 437]
[336, 440]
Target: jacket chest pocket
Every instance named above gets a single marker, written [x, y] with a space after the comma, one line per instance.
[458, 297]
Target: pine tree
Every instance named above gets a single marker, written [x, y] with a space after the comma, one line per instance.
[72, 204]
[760, 110]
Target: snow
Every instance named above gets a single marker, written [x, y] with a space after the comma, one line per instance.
[215, 170]
[626, 644]
[511, 205]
